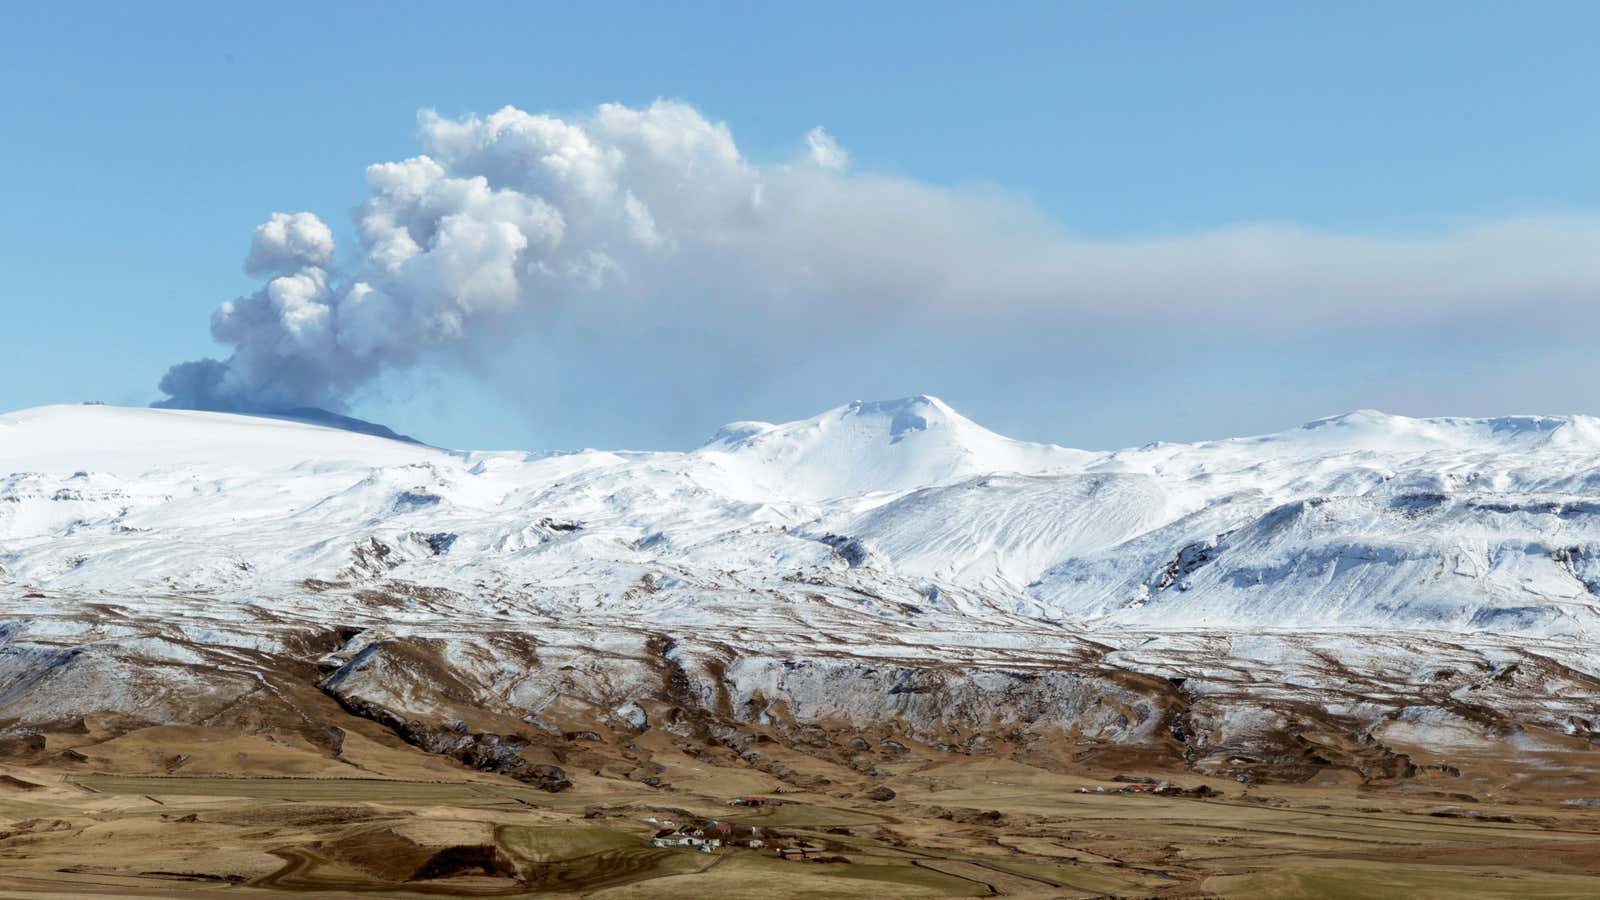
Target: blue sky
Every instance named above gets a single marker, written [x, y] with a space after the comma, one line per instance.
[145, 145]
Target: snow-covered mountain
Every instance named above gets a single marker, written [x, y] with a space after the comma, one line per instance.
[1363, 520]
[1359, 595]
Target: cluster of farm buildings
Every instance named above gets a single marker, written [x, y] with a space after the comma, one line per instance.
[712, 834]
[1154, 787]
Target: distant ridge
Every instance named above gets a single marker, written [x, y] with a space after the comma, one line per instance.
[1365, 520]
[312, 415]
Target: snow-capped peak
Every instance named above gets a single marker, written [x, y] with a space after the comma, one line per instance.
[864, 446]
[909, 414]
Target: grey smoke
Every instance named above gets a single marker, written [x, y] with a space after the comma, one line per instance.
[628, 216]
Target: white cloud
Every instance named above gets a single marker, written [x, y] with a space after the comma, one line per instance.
[654, 214]
[825, 151]
[285, 243]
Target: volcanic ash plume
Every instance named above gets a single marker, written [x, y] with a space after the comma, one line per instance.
[497, 215]
[651, 228]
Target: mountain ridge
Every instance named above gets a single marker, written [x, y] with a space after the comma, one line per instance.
[1358, 600]
[1360, 520]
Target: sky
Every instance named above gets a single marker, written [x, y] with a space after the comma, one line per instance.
[1091, 224]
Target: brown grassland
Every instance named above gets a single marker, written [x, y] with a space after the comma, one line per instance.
[258, 814]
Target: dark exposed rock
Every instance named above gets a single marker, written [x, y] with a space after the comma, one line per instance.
[488, 752]
[1204, 790]
[439, 543]
[24, 743]
[372, 558]
[880, 793]
[971, 816]
[851, 550]
[1186, 562]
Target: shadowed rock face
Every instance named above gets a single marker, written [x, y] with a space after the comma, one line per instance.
[488, 752]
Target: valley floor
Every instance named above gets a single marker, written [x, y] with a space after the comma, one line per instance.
[251, 815]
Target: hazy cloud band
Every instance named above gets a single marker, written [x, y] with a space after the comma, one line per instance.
[655, 213]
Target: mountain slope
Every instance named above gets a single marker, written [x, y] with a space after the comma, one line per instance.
[123, 441]
[1357, 521]
[1404, 604]
[863, 447]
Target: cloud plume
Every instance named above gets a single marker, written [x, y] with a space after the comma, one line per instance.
[655, 214]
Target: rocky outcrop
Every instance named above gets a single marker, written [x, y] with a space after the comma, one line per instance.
[501, 754]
